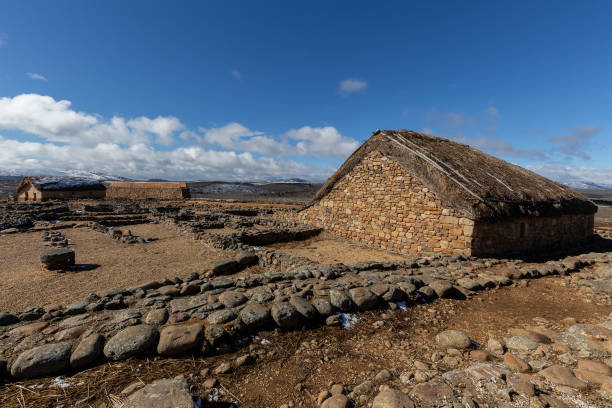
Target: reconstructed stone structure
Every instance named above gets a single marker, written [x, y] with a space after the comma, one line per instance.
[58, 188]
[408, 192]
[146, 190]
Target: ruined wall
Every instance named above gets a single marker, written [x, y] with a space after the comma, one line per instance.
[381, 205]
[31, 193]
[530, 234]
[134, 193]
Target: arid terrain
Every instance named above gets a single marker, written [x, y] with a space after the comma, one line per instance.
[223, 304]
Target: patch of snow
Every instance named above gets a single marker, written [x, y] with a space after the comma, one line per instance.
[402, 305]
[348, 320]
[216, 394]
[59, 382]
[262, 341]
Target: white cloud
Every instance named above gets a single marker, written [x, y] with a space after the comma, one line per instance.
[3, 39]
[237, 75]
[493, 113]
[35, 76]
[322, 141]
[352, 85]
[55, 121]
[573, 143]
[574, 175]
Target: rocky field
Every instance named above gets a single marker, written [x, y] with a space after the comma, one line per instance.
[202, 304]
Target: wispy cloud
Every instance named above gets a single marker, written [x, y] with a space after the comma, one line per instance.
[352, 85]
[35, 76]
[236, 74]
[3, 39]
[573, 143]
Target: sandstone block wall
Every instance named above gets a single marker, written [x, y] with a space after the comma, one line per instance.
[381, 205]
[530, 234]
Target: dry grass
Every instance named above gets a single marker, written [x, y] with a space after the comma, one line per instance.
[24, 284]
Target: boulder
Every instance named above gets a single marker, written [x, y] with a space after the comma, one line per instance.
[453, 339]
[41, 361]
[363, 298]
[336, 401]
[175, 340]
[246, 258]
[167, 393]
[225, 267]
[131, 341]
[323, 306]
[55, 259]
[7, 318]
[285, 316]
[340, 300]
[391, 398]
[87, 352]
[255, 315]
[303, 306]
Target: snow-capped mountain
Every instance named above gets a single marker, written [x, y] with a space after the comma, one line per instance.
[587, 185]
[93, 176]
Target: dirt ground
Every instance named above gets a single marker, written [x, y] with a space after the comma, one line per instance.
[300, 364]
[326, 248]
[24, 284]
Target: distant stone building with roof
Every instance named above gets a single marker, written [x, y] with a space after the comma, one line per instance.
[59, 188]
[409, 192]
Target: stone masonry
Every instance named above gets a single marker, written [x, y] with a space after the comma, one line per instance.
[380, 204]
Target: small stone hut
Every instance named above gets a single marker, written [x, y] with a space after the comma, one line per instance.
[42, 188]
[408, 192]
[147, 190]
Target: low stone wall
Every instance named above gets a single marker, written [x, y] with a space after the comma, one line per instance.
[530, 234]
[381, 205]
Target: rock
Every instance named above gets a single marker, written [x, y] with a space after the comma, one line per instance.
[530, 334]
[41, 361]
[255, 315]
[443, 288]
[563, 376]
[392, 398]
[363, 298]
[55, 259]
[168, 393]
[323, 307]
[480, 355]
[337, 389]
[469, 284]
[521, 386]
[191, 289]
[595, 366]
[515, 363]
[87, 352]
[189, 303]
[285, 316]
[383, 375]
[592, 377]
[156, 317]
[303, 307]
[69, 334]
[364, 388]
[453, 339]
[434, 392]
[333, 320]
[232, 299]
[495, 347]
[223, 368]
[336, 401]
[245, 258]
[427, 293]
[215, 334]
[178, 317]
[29, 328]
[175, 340]
[225, 267]
[7, 318]
[521, 343]
[340, 300]
[131, 341]
[76, 308]
[169, 290]
[221, 316]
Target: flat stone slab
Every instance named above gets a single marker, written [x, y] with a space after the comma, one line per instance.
[175, 340]
[190, 303]
[563, 376]
[43, 360]
[168, 393]
[131, 341]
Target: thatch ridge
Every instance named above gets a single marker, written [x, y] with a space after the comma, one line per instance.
[472, 182]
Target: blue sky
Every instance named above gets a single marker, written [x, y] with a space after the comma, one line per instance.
[256, 90]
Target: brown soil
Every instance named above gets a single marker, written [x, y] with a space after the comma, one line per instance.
[326, 248]
[24, 284]
[301, 364]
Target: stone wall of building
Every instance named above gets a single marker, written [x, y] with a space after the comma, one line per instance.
[530, 234]
[136, 193]
[381, 205]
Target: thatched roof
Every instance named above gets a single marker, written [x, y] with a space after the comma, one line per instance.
[54, 183]
[474, 183]
[147, 184]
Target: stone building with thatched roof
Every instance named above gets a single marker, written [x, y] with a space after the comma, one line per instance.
[42, 188]
[147, 190]
[409, 192]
